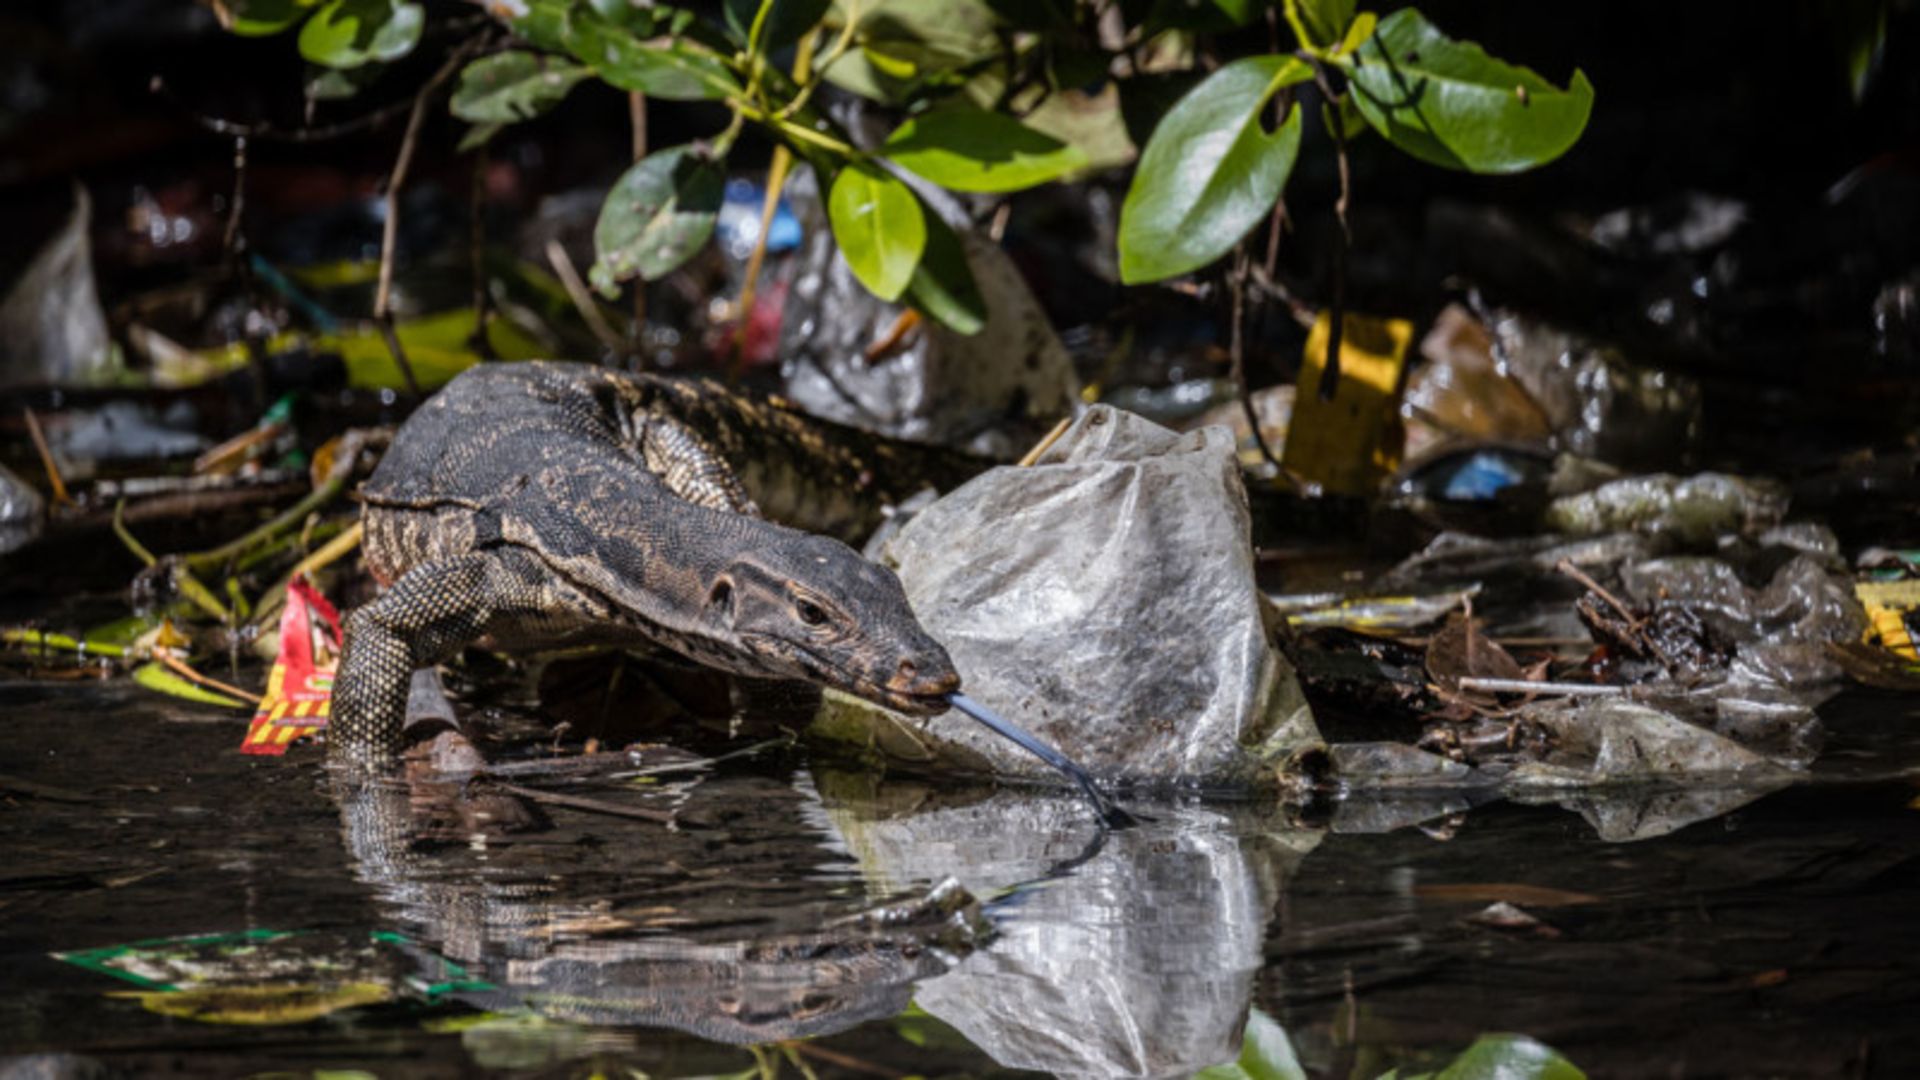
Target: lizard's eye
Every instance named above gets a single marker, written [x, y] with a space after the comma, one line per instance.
[810, 613]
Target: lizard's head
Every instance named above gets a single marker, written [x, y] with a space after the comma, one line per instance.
[812, 608]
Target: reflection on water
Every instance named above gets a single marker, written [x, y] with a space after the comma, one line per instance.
[1138, 961]
[1130, 953]
[862, 928]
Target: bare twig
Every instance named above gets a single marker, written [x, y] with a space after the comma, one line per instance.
[895, 333]
[844, 1061]
[598, 806]
[1047, 441]
[390, 228]
[1634, 622]
[481, 344]
[233, 239]
[54, 480]
[637, 120]
[1236, 351]
[220, 126]
[743, 308]
[1565, 566]
[582, 299]
[1337, 315]
[1544, 689]
[179, 668]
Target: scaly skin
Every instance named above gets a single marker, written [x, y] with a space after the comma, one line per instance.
[541, 505]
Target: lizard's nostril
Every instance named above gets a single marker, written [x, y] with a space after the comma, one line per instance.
[908, 670]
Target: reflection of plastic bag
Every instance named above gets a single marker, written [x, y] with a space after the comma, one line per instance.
[1140, 962]
[1104, 599]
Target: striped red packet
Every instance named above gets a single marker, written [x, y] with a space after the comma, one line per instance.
[300, 687]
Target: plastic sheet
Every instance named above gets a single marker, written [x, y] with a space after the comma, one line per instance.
[22, 512]
[1104, 600]
[52, 328]
[1599, 404]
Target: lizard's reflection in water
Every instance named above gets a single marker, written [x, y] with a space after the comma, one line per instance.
[746, 930]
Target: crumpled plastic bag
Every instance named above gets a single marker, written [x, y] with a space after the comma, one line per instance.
[22, 512]
[994, 392]
[1780, 630]
[1693, 509]
[1104, 599]
[52, 328]
[1597, 741]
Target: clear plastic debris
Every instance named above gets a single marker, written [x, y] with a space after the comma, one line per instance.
[1103, 599]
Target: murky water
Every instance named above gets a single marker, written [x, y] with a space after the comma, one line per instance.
[1772, 937]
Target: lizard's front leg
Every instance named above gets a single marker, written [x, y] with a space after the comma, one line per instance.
[424, 619]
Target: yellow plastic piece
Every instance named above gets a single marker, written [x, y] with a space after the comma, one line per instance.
[1888, 604]
[1347, 446]
[259, 1004]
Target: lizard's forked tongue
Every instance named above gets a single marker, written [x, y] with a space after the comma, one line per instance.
[1110, 815]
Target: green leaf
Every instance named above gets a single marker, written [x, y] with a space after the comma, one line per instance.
[904, 43]
[1449, 103]
[349, 33]
[339, 84]
[1510, 1057]
[638, 18]
[258, 18]
[477, 136]
[1265, 1054]
[658, 214]
[878, 224]
[1326, 20]
[1201, 16]
[974, 150]
[544, 24]
[1210, 172]
[511, 86]
[664, 68]
[783, 24]
[943, 286]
